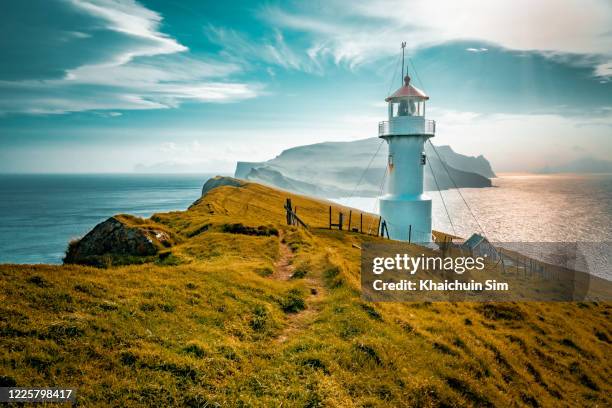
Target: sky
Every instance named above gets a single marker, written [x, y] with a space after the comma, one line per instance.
[193, 86]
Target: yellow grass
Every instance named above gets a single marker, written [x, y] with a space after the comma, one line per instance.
[214, 323]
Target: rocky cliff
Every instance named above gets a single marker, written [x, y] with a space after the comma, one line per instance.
[336, 169]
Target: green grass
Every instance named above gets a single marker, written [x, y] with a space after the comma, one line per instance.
[208, 324]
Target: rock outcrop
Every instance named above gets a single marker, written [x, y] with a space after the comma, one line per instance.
[219, 181]
[468, 164]
[118, 237]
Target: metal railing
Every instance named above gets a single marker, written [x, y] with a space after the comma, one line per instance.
[429, 128]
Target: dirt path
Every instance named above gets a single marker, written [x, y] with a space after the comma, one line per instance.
[296, 322]
[283, 268]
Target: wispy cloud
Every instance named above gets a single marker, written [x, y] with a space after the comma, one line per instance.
[141, 68]
[371, 29]
[477, 50]
[130, 18]
[270, 50]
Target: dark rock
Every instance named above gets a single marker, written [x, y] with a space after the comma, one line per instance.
[117, 237]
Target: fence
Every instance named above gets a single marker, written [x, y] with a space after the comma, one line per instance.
[355, 224]
[292, 217]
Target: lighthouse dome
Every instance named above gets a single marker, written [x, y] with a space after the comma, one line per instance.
[407, 91]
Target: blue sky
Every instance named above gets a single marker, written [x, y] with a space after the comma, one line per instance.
[108, 85]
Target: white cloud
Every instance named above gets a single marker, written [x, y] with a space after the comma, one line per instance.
[61, 96]
[370, 29]
[129, 17]
[273, 50]
[149, 70]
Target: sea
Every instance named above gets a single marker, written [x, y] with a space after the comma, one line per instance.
[40, 214]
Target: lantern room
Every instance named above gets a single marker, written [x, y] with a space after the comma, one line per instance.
[407, 101]
[407, 113]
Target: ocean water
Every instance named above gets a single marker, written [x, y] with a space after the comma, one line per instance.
[524, 208]
[39, 214]
[527, 212]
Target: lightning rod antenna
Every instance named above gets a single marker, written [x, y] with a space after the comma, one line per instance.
[402, 76]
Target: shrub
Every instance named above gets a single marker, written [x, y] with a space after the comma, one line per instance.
[260, 318]
[300, 271]
[332, 277]
[39, 281]
[293, 302]
[240, 228]
[41, 363]
[468, 392]
[583, 378]
[368, 351]
[314, 363]
[7, 381]
[128, 358]
[89, 288]
[61, 331]
[443, 348]
[168, 259]
[264, 271]
[373, 313]
[147, 307]
[501, 312]
[602, 336]
[195, 349]
[108, 306]
[198, 230]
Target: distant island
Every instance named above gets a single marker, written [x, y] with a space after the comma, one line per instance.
[339, 169]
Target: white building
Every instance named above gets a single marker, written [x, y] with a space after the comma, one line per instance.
[404, 207]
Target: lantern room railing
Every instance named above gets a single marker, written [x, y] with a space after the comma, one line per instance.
[384, 129]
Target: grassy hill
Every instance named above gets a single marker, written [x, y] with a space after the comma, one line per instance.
[246, 311]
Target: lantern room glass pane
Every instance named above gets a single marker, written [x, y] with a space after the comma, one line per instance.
[407, 107]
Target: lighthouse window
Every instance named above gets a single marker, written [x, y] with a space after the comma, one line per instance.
[423, 159]
[408, 107]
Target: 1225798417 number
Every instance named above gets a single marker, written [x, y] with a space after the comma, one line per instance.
[14, 394]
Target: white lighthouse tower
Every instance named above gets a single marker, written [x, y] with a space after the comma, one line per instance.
[404, 207]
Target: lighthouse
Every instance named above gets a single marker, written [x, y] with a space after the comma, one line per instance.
[404, 207]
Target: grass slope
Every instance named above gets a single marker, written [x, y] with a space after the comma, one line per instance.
[245, 311]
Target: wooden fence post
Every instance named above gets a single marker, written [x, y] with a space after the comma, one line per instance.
[340, 216]
[361, 223]
[289, 214]
[350, 217]
[330, 222]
